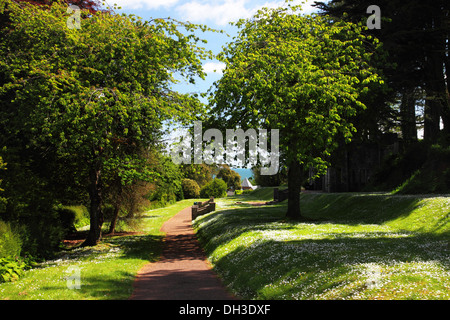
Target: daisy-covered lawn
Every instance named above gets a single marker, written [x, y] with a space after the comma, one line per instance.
[102, 272]
[356, 246]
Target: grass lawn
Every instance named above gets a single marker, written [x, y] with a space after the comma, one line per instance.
[359, 246]
[106, 271]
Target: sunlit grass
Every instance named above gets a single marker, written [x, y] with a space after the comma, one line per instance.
[106, 271]
[360, 246]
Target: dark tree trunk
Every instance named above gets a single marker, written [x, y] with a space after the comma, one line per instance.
[112, 226]
[437, 99]
[95, 210]
[446, 110]
[295, 179]
[408, 116]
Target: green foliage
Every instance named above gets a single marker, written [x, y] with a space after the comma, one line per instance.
[397, 168]
[80, 214]
[420, 169]
[231, 177]
[433, 177]
[2, 200]
[303, 75]
[201, 173]
[168, 184]
[83, 104]
[42, 233]
[270, 180]
[191, 190]
[10, 241]
[217, 188]
[11, 269]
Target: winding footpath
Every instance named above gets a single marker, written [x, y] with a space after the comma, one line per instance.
[182, 273]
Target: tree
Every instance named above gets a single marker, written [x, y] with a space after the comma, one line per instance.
[216, 188]
[303, 75]
[415, 35]
[2, 200]
[201, 173]
[95, 96]
[231, 177]
[191, 190]
[91, 5]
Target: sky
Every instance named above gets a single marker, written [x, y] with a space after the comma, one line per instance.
[216, 14]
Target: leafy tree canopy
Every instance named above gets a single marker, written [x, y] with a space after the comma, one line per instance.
[303, 75]
[96, 95]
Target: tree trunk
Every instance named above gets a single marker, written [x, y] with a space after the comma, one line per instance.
[435, 88]
[95, 210]
[112, 226]
[295, 179]
[446, 110]
[408, 116]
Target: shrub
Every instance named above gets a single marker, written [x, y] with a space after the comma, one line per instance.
[191, 190]
[42, 233]
[11, 269]
[217, 188]
[2, 200]
[10, 241]
[81, 215]
[67, 219]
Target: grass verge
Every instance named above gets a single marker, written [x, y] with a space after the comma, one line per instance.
[361, 246]
[105, 271]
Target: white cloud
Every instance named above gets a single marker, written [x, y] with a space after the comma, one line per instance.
[219, 12]
[216, 67]
[225, 11]
[142, 4]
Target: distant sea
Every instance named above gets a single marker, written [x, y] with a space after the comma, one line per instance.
[244, 173]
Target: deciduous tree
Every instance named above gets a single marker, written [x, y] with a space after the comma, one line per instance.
[95, 96]
[303, 75]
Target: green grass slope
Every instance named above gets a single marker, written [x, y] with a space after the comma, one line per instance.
[359, 246]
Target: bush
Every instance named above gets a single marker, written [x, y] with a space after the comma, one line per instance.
[42, 233]
[81, 215]
[11, 269]
[217, 188]
[191, 190]
[10, 241]
[67, 219]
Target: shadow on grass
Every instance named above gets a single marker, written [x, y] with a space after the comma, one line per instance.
[93, 286]
[145, 247]
[101, 278]
[311, 267]
[251, 267]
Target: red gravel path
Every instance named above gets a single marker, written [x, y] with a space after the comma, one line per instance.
[183, 272]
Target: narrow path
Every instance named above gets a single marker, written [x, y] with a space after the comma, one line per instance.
[183, 272]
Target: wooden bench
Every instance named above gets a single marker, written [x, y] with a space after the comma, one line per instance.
[201, 208]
